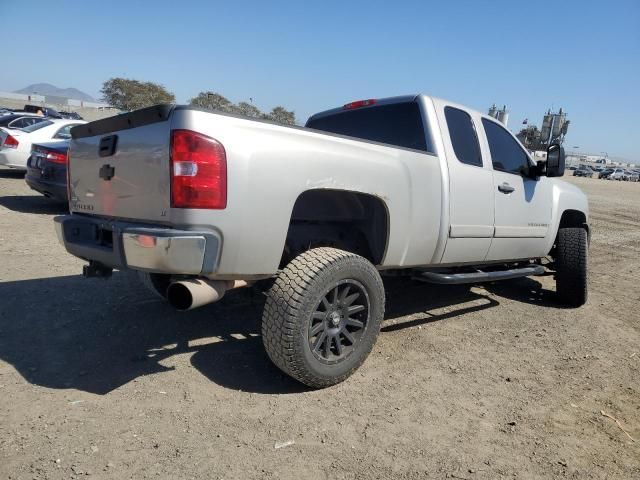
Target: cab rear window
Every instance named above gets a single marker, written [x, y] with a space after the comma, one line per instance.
[398, 124]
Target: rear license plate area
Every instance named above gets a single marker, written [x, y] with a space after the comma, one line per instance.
[89, 234]
[104, 237]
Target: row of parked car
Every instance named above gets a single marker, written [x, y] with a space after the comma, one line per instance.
[37, 143]
[612, 173]
[42, 111]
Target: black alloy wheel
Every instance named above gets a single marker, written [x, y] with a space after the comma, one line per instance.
[339, 321]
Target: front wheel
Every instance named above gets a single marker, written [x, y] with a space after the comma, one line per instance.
[571, 266]
[323, 315]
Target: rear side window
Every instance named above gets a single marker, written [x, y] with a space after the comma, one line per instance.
[398, 124]
[37, 126]
[506, 154]
[25, 122]
[463, 136]
[18, 123]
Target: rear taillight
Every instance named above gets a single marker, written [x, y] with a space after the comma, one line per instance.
[359, 104]
[11, 142]
[56, 157]
[198, 171]
[68, 177]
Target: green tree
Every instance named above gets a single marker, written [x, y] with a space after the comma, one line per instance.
[128, 94]
[212, 101]
[281, 115]
[248, 110]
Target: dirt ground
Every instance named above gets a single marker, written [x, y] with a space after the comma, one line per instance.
[99, 379]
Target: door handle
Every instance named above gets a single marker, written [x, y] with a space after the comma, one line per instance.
[506, 188]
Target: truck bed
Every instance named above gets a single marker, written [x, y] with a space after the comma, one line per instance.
[268, 167]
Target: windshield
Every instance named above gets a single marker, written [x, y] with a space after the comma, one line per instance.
[36, 126]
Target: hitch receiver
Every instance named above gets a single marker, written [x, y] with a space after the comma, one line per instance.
[96, 269]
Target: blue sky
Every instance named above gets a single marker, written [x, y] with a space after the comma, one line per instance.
[308, 56]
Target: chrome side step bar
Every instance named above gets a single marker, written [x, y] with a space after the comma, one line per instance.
[479, 276]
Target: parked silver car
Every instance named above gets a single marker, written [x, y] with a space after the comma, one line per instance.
[617, 174]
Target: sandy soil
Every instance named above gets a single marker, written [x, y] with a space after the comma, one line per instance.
[99, 379]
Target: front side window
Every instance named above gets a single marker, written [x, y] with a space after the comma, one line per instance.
[463, 136]
[506, 154]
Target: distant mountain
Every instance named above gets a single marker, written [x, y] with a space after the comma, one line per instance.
[48, 89]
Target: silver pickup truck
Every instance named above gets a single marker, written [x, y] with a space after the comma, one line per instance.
[200, 202]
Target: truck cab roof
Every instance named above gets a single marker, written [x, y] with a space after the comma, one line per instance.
[374, 101]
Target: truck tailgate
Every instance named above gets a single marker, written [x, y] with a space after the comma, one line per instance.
[119, 166]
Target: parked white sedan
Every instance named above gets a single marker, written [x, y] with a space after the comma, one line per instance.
[15, 143]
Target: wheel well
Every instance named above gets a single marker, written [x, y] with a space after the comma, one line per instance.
[574, 219]
[352, 221]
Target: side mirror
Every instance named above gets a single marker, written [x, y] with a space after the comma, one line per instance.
[555, 161]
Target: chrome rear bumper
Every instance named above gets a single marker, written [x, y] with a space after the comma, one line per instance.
[150, 248]
[174, 254]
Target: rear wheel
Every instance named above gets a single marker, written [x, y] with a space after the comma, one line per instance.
[571, 266]
[323, 315]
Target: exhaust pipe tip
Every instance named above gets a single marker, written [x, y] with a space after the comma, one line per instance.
[188, 294]
[179, 296]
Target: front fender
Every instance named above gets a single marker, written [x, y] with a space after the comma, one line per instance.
[566, 197]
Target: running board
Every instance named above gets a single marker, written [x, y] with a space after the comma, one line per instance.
[476, 277]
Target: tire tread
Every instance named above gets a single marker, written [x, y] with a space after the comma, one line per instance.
[571, 266]
[283, 312]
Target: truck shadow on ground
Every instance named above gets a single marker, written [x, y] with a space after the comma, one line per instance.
[34, 204]
[525, 290]
[95, 335]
